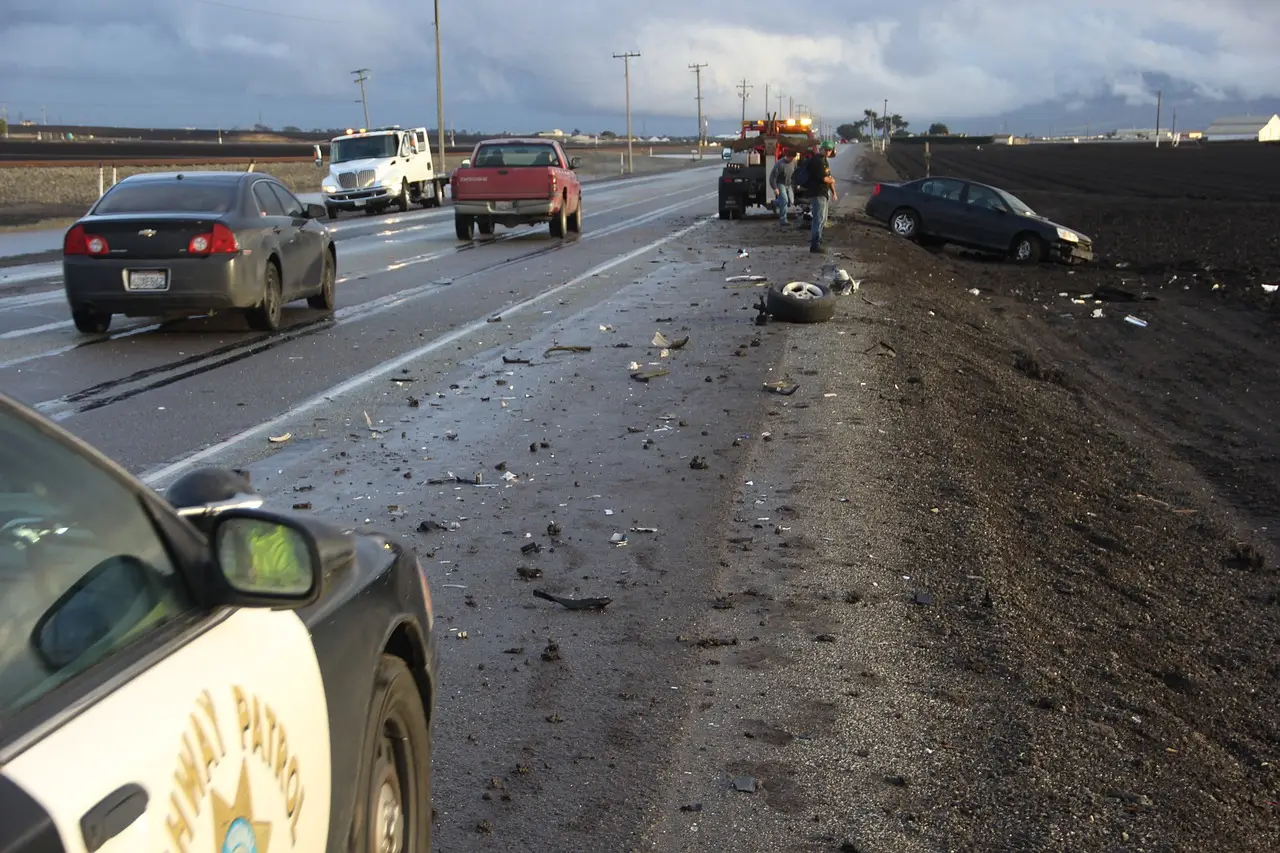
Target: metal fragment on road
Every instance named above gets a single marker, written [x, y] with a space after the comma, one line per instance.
[280, 439]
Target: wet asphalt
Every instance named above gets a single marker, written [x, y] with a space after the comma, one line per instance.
[433, 406]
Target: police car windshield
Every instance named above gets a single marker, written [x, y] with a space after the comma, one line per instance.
[374, 147]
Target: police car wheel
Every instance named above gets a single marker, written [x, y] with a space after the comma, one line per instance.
[397, 775]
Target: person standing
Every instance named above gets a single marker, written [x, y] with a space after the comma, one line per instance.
[821, 189]
[781, 180]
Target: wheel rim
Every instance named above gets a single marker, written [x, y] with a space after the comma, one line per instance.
[802, 290]
[904, 225]
[329, 277]
[1024, 250]
[389, 819]
[273, 296]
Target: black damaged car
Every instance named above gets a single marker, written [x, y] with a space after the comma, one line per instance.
[937, 211]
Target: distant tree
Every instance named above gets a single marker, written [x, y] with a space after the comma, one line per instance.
[261, 128]
[577, 132]
[608, 134]
[849, 130]
[291, 129]
[939, 129]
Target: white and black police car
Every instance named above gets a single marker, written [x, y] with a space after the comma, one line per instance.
[197, 675]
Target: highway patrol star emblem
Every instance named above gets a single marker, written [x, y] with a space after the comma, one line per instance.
[234, 823]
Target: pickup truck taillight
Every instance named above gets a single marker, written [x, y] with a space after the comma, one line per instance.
[553, 193]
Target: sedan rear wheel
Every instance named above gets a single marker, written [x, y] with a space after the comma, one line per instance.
[324, 299]
[89, 321]
[266, 317]
[905, 223]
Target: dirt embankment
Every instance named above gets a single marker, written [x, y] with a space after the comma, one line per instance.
[1096, 507]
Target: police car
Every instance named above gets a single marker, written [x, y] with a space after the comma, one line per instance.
[198, 675]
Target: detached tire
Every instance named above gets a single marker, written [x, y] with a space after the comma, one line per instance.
[800, 302]
[393, 811]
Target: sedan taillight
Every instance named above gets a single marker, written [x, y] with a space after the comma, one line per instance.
[79, 243]
[876, 191]
[219, 241]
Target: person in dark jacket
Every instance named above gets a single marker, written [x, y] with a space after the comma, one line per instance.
[780, 181]
[821, 190]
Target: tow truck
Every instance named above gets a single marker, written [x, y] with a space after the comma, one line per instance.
[745, 180]
[372, 169]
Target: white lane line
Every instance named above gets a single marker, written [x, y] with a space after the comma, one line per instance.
[158, 475]
[29, 272]
[41, 299]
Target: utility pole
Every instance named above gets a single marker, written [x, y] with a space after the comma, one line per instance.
[696, 68]
[626, 75]
[791, 106]
[439, 96]
[361, 76]
[1159, 103]
[744, 89]
[780, 96]
[1173, 130]
[884, 125]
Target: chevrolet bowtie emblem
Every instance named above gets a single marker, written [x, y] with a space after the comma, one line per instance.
[147, 232]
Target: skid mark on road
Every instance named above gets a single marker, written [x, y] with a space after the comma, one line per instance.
[164, 473]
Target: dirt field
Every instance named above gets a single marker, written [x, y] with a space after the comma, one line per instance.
[1099, 502]
[46, 197]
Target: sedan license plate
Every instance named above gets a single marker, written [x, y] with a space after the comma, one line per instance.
[147, 280]
[504, 205]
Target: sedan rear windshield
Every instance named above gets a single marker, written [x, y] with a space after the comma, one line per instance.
[516, 155]
[168, 197]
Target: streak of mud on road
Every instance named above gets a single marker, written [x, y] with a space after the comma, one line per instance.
[1098, 500]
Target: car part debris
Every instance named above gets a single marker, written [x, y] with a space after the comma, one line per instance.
[575, 603]
[745, 784]
[1270, 288]
[506, 359]
[554, 529]
[644, 530]
[1129, 318]
[743, 253]
[646, 375]
[747, 278]
[560, 348]
[800, 302]
[528, 573]
[531, 548]
[661, 340]
[617, 540]
[697, 463]
[280, 439]
[881, 348]
[781, 388]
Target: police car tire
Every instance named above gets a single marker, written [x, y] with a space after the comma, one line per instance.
[398, 740]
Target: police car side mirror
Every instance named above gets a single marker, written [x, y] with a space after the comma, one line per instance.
[264, 559]
[112, 599]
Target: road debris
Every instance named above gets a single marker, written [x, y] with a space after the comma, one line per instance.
[650, 373]
[747, 278]
[782, 388]
[661, 340]
[575, 603]
[280, 439]
[697, 463]
[565, 348]
[506, 359]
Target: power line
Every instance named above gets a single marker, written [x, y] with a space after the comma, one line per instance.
[696, 68]
[267, 12]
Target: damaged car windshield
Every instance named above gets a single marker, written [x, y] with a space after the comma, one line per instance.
[364, 148]
[1016, 204]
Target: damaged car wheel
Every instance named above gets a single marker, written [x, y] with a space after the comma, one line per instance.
[800, 302]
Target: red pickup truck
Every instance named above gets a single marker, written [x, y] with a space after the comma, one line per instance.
[516, 182]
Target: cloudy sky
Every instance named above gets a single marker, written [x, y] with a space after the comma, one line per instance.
[522, 65]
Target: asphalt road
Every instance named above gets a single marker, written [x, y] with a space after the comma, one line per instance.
[556, 730]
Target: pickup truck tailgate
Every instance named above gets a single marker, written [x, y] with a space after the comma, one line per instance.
[503, 183]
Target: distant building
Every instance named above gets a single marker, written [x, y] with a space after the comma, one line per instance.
[1245, 128]
[553, 134]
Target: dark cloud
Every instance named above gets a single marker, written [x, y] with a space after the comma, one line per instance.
[512, 64]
